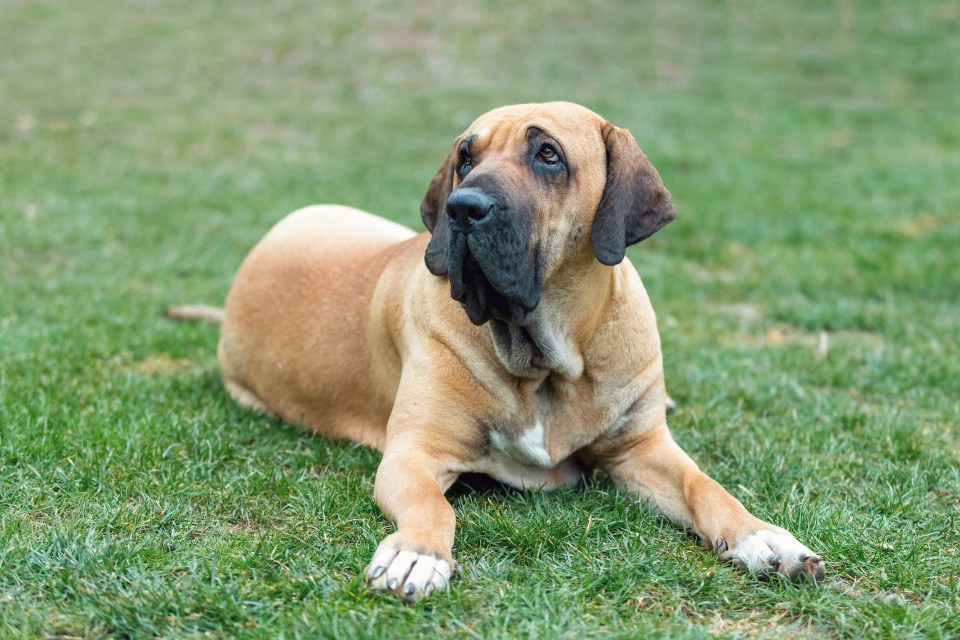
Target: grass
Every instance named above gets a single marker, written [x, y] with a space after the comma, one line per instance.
[813, 150]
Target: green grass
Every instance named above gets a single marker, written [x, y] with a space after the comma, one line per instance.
[813, 150]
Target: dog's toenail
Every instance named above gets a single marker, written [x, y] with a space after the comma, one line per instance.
[409, 589]
[392, 583]
[377, 572]
[721, 545]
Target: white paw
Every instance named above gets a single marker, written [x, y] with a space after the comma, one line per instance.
[408, 574]
[773, 550]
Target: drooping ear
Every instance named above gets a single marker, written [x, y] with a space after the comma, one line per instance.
[433, 211]
[635, 204]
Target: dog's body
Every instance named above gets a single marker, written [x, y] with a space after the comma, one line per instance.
[335, 322]
[340, 377]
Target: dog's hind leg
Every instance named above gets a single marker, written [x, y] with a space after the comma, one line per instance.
[245, 398]
[214, 315]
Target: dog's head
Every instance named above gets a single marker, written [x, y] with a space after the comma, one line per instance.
[519, 194]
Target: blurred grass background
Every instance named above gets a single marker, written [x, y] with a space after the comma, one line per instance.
[813, 150]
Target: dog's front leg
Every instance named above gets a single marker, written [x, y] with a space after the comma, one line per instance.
[652, 466]
[416, 559]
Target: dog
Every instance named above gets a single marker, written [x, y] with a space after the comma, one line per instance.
[514, 339]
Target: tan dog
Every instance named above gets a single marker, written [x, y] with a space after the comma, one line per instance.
[525, 348]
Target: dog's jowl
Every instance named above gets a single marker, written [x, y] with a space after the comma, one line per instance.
[513, 339]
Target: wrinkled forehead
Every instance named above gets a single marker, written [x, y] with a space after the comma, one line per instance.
[575, 128]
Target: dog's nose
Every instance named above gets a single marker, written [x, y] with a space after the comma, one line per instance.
[468, 206]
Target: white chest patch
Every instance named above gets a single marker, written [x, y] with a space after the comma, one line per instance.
[529, 448]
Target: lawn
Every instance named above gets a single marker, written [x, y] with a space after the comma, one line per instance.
[813, 151]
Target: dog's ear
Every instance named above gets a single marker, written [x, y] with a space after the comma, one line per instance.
[433, 211]
[635, 204]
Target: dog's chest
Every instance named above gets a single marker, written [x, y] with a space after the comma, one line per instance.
[529, 457]
[535, 443]
[530, 447]
[535, 439]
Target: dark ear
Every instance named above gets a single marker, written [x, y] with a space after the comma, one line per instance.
[635, 204]
[433, 210]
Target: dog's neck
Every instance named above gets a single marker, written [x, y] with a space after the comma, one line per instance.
[551, 338]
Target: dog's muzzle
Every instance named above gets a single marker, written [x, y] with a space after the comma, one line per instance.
[467, 207]
[492, 267]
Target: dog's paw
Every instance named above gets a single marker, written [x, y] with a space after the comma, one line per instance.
[407, 573]
[774, 550]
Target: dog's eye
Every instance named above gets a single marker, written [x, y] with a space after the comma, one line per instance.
[548, 155]
[464, 163]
